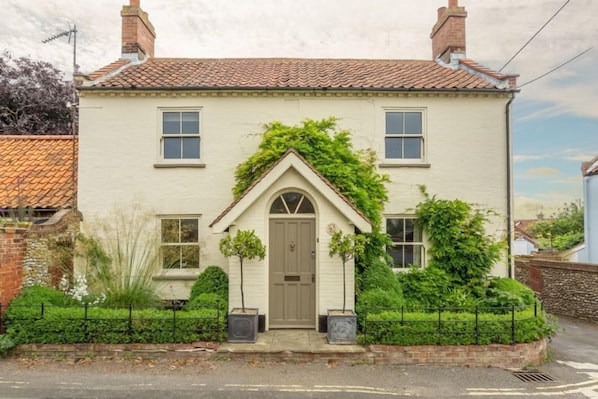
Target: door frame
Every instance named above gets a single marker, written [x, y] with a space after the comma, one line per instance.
[296, 216]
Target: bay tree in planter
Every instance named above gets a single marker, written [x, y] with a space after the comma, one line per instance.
[342, 323]
[243, 322]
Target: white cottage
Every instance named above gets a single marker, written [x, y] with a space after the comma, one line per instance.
[170, 132]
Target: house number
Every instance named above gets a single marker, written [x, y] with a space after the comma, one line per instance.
[292, 246]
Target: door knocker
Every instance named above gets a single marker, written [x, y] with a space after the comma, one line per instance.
[292, 246]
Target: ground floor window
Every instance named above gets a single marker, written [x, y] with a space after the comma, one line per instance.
[407, 242]
[179, 247]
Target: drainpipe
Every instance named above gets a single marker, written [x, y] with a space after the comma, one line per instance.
[509, 185]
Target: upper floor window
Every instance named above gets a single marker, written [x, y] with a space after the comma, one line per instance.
[179, 243]
[180, 135]
[407, 242]
[404, 135]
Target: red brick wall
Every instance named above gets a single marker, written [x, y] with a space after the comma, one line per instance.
[12, 248]
[567, 288]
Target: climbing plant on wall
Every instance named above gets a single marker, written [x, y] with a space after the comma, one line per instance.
[460, 245]
[329, 150]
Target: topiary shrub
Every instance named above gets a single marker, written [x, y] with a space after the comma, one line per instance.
[213, 280]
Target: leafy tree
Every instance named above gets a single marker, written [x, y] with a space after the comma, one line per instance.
[346, 246]
[244, 245]
[33, 97]
[460, 245]
[564, 230]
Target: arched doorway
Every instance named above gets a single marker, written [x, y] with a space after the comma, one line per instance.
[292, 254]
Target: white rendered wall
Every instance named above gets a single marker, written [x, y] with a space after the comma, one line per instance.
[119, 144]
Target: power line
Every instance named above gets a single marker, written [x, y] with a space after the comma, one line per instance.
[554, 69]
[534, 36]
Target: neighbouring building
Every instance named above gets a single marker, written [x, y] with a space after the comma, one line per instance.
[169, 132]
[38, 175]
[589, 171]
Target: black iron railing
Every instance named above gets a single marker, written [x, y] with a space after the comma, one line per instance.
[90, 324]
[475, 325]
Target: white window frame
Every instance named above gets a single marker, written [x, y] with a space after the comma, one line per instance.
[420, 244]
[174, 162]
[422, 160]
[179, 243]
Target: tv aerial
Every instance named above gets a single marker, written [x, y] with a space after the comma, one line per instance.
[71, 33]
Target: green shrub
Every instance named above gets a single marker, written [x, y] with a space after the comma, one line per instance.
[459, 297]
[375, 300]
[503, 293]
[6, 343]
[68, 325]
[424, 287]
[213, 280]
[379, 275]
[36, 295]
[209, 300]
[455, 328]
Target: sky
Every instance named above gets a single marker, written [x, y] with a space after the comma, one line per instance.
[555, 119]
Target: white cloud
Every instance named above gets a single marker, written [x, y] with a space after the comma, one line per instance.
[525, 158]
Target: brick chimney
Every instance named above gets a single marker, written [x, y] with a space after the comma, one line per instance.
[138, 33]
[448, 34]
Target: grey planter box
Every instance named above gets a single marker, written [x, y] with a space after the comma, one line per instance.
[243, 326]
[342, 327]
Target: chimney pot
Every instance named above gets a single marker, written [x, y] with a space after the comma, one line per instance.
[453, 3]
[134, 3]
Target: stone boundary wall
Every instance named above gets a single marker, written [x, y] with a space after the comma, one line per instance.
[37, 254]
[49, 249]
[500, 356]
[567, 288]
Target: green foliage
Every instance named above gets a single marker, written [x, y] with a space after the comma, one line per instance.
[425, 287]
[329, 150]
[244, 245]
[564, 230]
[68, 325]
[37, 294]
[379, 275]
[376, 300]
[209, 300]
[213, 280]
[346, 247]
[122, 257]
[455, 328]
[503, 293]
[460, 245]
[6, 343]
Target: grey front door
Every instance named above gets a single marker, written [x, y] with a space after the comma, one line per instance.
[292, 273]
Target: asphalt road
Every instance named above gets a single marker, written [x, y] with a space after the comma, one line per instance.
[574, 367]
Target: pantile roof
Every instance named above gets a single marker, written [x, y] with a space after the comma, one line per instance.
[37, 171]
[292, 73]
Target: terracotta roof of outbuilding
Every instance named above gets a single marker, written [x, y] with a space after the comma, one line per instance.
[37, 171]
[292, 73]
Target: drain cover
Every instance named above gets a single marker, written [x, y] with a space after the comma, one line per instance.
[533, 376]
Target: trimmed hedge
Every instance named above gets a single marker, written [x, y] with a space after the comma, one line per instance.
[69, 325]
[396, 327]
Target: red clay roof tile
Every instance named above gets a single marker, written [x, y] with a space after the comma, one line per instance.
[37, 171]
[292, 73]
